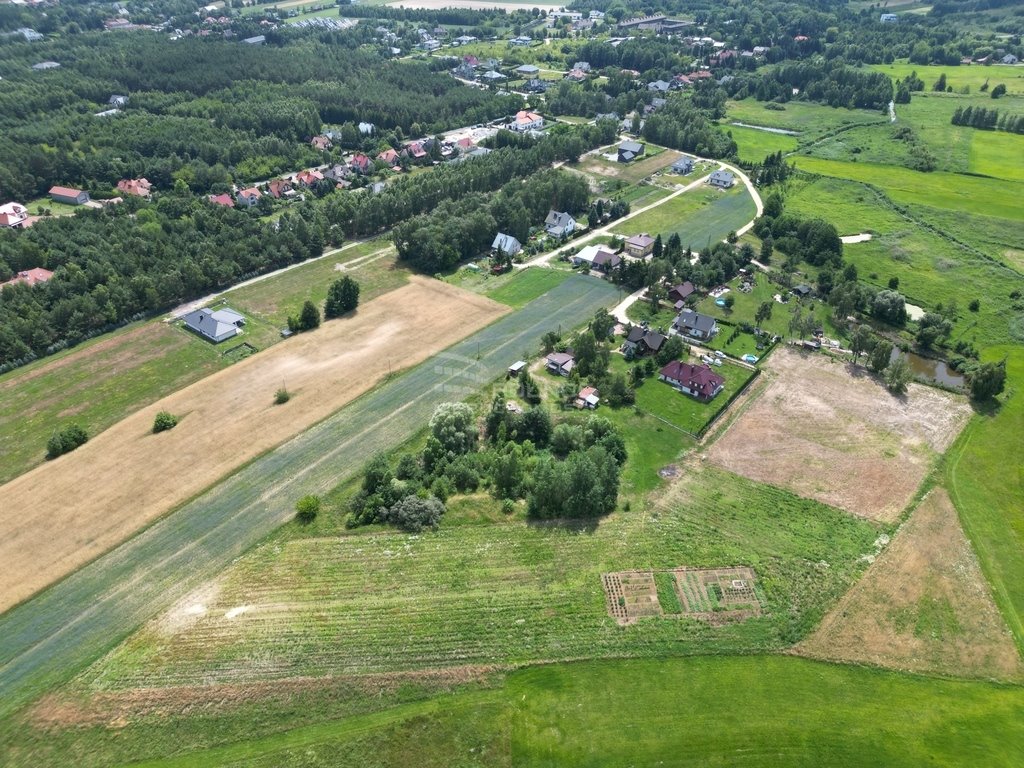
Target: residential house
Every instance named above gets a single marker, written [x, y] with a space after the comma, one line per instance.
[521, 41]
[683, 166]
[583, 66]
[492, 76]
[640, 246]
[415, 150]
[279, 188]
[361, 164]
[118, 100]
[678, 294]
[721, 179]
[465, 71]
[561, 363]
[29, 277]
[695, 325]
[464, 144]
[248, 197]
[605, 262]
[308, 177]
[641, 341]
[576, 75]
[13, 215]
[338, 172]
[597, 15]
[536, 86]
[587, 398]
[137, 187]
[698, 381]
[463, 40]
[760, 50]
[527, 70]
[506, 244]
[1009, 59]
[559, 224]
[889, 18]
[629, 151]
[527, 121]
[30, 35]
[323, 143]
[216, 325]
[803, 290]
[366, 129]
[389, 156]
[659, 86]
[69, 196]
[224, 200]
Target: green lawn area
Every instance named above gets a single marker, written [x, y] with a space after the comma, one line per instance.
[957, 77]
[701, 216]
[775, 712]
[988, 494]
[808, 118]
[525, 285]
[993, 153]
[938, 189]
[754, 145]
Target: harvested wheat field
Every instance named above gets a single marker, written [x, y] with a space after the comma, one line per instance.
[922, 606]
[66, 512]
[828, 431]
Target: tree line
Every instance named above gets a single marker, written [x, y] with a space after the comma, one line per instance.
[989, 119]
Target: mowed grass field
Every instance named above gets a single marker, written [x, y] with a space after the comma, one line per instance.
[973, 76]
[47, 638]
[702, 216]
[809, 119]
[680, 712]
[755, 145]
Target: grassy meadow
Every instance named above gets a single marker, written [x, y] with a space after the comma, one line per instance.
[754, 145]
[702, 216]
[972, 77]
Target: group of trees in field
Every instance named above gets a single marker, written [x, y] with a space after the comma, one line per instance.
[990, 119]
[682, 124]
[826, 82]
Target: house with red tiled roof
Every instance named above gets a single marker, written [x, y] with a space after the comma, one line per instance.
[29, 277]
[138, 187]
[389, 156]
[279, 188]
[414, 150]
[361, 163]
[224, 200]
[698, 381]
[323, 143]
[248, 197]
[308, 178]
[527, 121]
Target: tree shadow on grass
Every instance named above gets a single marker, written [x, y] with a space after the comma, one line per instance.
[572, 524]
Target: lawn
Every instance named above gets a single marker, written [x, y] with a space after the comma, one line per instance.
[754, 145]
[938, 189]
[721, 711]
[992, 154]
[525, 285]
[972, 76]
[700, 217]
[808, 118]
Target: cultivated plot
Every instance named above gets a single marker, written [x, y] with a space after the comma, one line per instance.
[714, 595]
[832, 433]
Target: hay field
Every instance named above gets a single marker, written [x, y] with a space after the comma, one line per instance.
[68, 511]
[923, 606]
[828, 432]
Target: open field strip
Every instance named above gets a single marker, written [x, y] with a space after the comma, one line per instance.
[807, 118]
[791, 712]
[957, 77]
[754, 145]
[68, 511]
[101, 381]
[48, 637]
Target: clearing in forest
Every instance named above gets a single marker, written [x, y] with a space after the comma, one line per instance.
[68, 511]
[830, 431]
[922, 606]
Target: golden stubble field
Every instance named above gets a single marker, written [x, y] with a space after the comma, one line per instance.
[68, 511]
[828, 432]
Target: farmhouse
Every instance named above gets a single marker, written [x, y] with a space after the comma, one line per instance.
[561, 363]
[683, 166]
[587, 398]
[137, 187]
[214, 324]
[559, 224]
[506, 244]
[69, 196]
[721, 179]
[640, 246]
[641, 341]
[13, 215]
[29, 277]
[629, 151]
[695, 325]
[698, 381]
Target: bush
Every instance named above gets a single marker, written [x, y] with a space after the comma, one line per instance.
[342, 297]
[282, 396]
[164, 421]
[65, 441]
[414, 514]
[307, 507]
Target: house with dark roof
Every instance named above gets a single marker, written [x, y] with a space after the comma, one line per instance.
[683, 166]
[640, 246]
[678, 294]
[803, 290]
[698, 381]
[559, 224]
[721, 179]
[605, 262]
[561, 363]
[659, 86]
[695, 325]
[68, 196]
[641, 341]
[527, 70]
[629, 151]
[506, 244]
[217, 325]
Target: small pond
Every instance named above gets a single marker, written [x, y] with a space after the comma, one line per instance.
[930, 370]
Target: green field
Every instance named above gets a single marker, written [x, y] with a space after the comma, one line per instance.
[772, 712]
[991, 153]
[754, 145]
[526, 285]
[47, 638]
[701, 216]
[971, 76]
[810, 119]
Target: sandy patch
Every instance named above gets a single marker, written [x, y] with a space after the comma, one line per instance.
[914, 312]
[827, 431]
[68, 511]
[861, 238]
[922, 606]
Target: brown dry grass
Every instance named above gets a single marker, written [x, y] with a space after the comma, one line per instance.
[829, 432]
[66, 512]
[922, 606]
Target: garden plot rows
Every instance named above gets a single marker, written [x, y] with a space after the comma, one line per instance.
[503, 593]
[73, 622]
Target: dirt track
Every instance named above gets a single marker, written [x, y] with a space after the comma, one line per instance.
[922, 606]
[829, 432]
[66, 512]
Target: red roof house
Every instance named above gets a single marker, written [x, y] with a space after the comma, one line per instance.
[361, 163]
[389, 156]
[224, 200]
[308, 178]
[698, 381]
[29, 277]
[322, 143]
[138, 187]
[279, 188]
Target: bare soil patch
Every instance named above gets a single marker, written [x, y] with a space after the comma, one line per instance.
[66, 512]
[922, 606]
[828, 431]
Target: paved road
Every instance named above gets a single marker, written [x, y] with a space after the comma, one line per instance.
[50, 637]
